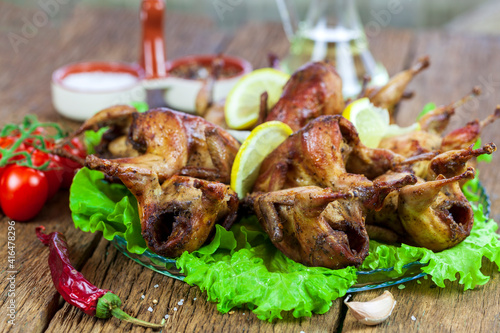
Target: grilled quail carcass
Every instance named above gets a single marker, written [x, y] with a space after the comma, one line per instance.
[315, 89]
[432, 213]
[300, 196]
[313, 226]
[177, 178]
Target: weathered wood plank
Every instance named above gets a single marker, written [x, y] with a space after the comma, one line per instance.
[458, 63]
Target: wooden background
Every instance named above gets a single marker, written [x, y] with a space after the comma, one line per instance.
[458, 63]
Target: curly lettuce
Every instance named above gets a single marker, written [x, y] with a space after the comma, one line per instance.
[241, 267]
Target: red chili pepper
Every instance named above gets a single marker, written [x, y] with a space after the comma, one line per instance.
[76, 289]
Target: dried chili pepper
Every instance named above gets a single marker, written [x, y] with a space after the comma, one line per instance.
[78, 291]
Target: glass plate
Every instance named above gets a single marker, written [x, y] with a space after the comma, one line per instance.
[367, 280]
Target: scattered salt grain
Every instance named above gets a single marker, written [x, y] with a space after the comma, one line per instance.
[194, 299]
[167, 316]
[175, 309]
[143, 297]
[302, 332]
[99, 81]
[156, 286]
[413, 318]
[181, 302]
[150, 309]
[243, 313]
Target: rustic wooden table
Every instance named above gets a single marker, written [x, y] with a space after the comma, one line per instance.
[458, 63]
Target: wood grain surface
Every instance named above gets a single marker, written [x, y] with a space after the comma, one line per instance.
[458, 63]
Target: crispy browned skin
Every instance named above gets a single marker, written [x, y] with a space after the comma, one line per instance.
[171, 142]
[438, 119]
[313, 90]
[314, 226]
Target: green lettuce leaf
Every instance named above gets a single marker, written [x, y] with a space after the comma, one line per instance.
[97, 205]
[92, 139]
[241, 267]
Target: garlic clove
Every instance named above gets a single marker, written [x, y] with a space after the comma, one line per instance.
[372, 312]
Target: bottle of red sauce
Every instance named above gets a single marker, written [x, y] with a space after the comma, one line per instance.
[153, 58]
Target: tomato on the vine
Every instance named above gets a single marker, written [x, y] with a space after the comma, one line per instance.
[23, 192]
[75, 148]
[6, 142]
[54, 172]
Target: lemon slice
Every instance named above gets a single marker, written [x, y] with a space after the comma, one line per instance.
[370, 121]
[261, 142]
[243, 101]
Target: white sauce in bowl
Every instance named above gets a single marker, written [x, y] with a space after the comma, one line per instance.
[99, 81]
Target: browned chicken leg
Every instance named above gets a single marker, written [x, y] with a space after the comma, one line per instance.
[313, 90]
[454, 162]
[469, 134]
[437, 120]
[389, 95]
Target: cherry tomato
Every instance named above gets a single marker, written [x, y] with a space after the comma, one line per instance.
[70, 167]
[54, 172]
[6, 142]
[23, 192]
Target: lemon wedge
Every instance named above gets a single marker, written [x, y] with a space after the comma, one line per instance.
[261, 142]
[243, 101]
[373, 123]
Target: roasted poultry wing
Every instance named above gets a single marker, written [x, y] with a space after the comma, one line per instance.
[176, 176]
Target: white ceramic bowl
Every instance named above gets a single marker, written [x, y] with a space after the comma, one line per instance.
[81, 104]
[180, 93]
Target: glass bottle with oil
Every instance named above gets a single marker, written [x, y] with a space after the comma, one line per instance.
[331, 31]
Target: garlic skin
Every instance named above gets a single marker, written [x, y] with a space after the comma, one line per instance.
[372, 312]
